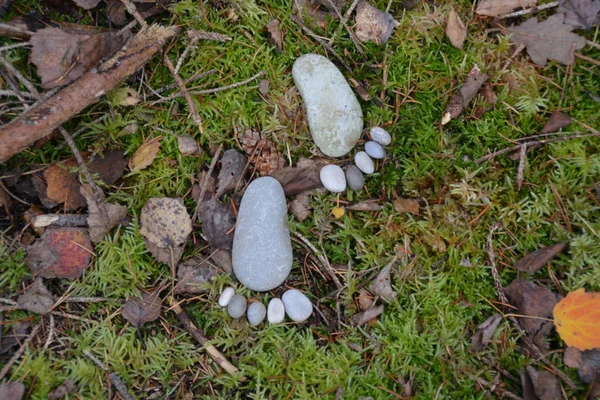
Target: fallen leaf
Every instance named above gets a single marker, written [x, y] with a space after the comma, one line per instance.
[87, 4]
[193, 273]
[276, 36]
[363, 317]
[557, 120]
[102, 216]
[263, 86]
[15, 336]
[435, 241]
[545, 384]
[67, 387]
[116, 12]
[365, 299]
[217, 222]
[338, 212]
[572, 357]
[60, 253]
[411, 206]
[382, 285]
[533, 262]
[139, 311]
[456, 30]
[497, 8]
[37, 298]
[527, 386]
[589, 369]
[550, 39]
[460, 100]
[144, 155]
[372, 24]
[484, 333]
[577, 319]
[187, 145]
[300, 206]
[304, 176]
[222, 259]
[12, 391]
[580, 13]
[233, 165]
[61, 57]
[62, 186]
[109, 165]
[366, 205]
[317, 9]
[168, 255]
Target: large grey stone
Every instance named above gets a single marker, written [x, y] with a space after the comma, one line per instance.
[262, 250]
[334, 115]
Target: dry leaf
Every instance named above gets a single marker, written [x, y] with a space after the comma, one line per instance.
[60, 253]
[557, 120]
[12, 391]
[545, 384]
[550, 39]
[589, 370]
[233, 165]
[217, 222]
[14, 337]
[116, 12]
[531, 301]
[365, 299]
[222, 259]
[533, 262]
[62, 186]
[102, 216]
[263, 87]
[37, 298]
[363, 317]
[372, 24]
[407, 205]
[140, 311]
[276, 36]
[460, 100]
[87, 4]
[456, 30]
[382, 285]
[300, 206]
[168, 255]
[165, 222]
[497, 8]
[580, 13]
[144, 155]
[484, 332]
[572, 357]
[193, 273]
[366, 205]
[68, 387]
[577, 319]
[304, 176]
[187, 145]
[5, 201]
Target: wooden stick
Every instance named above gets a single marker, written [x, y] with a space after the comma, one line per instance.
[114, 378]
[204, 183]
[188, 98]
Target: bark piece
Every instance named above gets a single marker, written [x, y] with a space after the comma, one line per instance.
[460, 100]
[497, 8]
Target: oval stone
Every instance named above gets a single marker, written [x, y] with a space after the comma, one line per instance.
[354, 178]
[364, 162]
[333, 178]
[297, 306]
[334, 115]
[380, 135]
[226, 296]
[262, 249]
[256, 313]
[237, 306]
[275, 311]
[375, 150]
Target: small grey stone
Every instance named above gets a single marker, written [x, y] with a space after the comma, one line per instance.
[275, 311]
[334, 115]
[187, 145]
[354, 178]
[297, 306]
[364, 162]
[226, 296]
[333, 178]
[237, 306]
[375, 150]
[380, 135]
[256, 313]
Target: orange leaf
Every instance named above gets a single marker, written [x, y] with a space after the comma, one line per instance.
[577, 319]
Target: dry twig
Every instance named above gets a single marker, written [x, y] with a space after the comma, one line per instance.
[204, 183]
[325, 265]
[114, 378]
[188, 98]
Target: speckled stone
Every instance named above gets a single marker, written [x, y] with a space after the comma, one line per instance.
[333, 178]
[237, 306]
[226, 296]
[380, 135]
[354, 178]
[276, 311]
[262, 249]
[364, 162]
[256, 313]
[297, 306]
[375, 150]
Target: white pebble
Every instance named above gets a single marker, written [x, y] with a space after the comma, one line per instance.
[226, 296]
[364, 162]
[333, 178]
[380, 135]
[375, 150]
[276, 311]
[256, 313]
[237, 306]
[297, 306]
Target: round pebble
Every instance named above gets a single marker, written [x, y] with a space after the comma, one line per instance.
[375, 150]
[380, 135]
[354, 178]
[364, 162]
[333, 178]
[256, 313]
[226, 296]
[297, 306]
[276, 311]
[237, 306]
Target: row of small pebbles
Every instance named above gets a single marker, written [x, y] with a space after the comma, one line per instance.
[335, 178]
[293, 303]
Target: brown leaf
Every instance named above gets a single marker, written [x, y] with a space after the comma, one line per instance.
[557, 120]
[411, 206]
[456, 30]
[589, 369]
[68, 387]
[580, 13]
[382, 285]
[372, 24]
[12, 391]
[497, 8]
[62, 186]
[263, 86]
[317, 9]
[533, 262]
[366, 205]
[62, 57]
[300, 206]
[116, 12]
[484, 332]
[139, 311]
[545, 384]
[102, 216]
[144, 155]
[15, 336]
[60, 253]
[165, 222]
[217, 223]
[233, 165]
[87, 4]
[37, 298]
[572, 357]
[276, 36]
[363, 317]
[187, 145]
[193, 273]
[460, 100]
[365, 299]
[169, 255]
[222, 259]
[109, 166]
[303, 177]
[550, 39]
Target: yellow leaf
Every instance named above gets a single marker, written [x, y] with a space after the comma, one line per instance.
[577, 319]
[338, 212]
[144, 155]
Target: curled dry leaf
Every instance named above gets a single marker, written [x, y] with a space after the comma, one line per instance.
[497, 8]
[545, 384]
[102, 216]
[365, 299]
[484, 332]
[300, 206]
[557, 120]
[193, 273]
[139, 311]
[60, 253]
[580, 13]
[37, 298]
[12, 391]
[363, 317]
[217, 223]
[411, 206]
[144, 155]
[372, 24]
[187, 145]
[233, 165]
[382, 284]
[276, 36]
[456, 30]
[304, 176]
[366, 205]
[460, 100]
[572, 357]
[533, 262]
[577, 319]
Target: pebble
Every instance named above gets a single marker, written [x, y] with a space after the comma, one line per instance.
[364, 162]
[276, 311]
[334, 115]
[237, 306]
[226, 296]
[297, 306]
[333, 178]
[256, 313]
[375, 150]
[354, 178]
[262, 249]
[380, 135]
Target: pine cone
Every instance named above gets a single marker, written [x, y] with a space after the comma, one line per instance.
[261, 152]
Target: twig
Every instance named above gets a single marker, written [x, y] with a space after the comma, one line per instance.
[193, 110]
[12, 70]
[131, 9]
[322, 258]
[63, 220]
[204, 184]
[203, 340]
[85, 299]
[530, 10]
[197, 34]
[14, 46]
[194, 77]
[50, 333]
[19, 352]
[350, 33]
[10, 30]
[183, 56]
[521, 169]
[114, 378]
[83, 129]
[10, 93]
